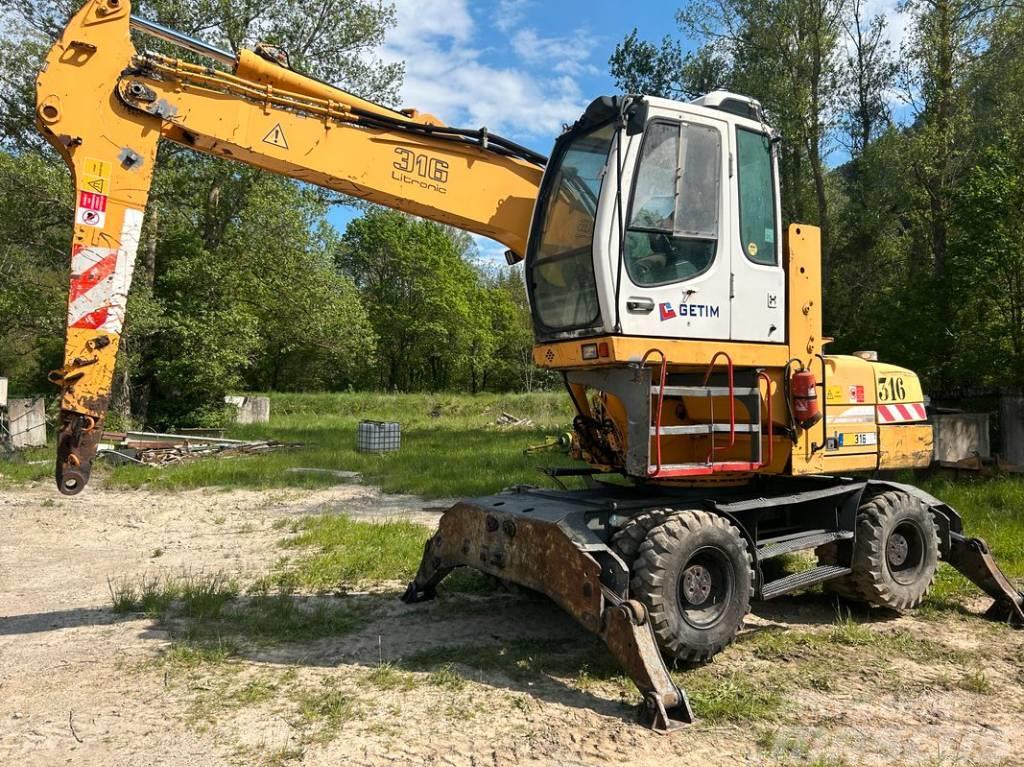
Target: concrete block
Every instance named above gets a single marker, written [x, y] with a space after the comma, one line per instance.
[251, 409]
[26, 421]
[960, 435]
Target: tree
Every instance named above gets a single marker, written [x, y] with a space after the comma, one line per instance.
[35, 229]
[213, 293]
[868, 78]
[422, 298]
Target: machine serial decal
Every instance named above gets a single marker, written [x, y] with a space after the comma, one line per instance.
[857, 439]
[841, 440]
[420, 170]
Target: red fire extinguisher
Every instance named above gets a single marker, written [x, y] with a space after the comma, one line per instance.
[804, 393]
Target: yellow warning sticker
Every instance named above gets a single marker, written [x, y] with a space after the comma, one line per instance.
[276, 137]
[95, 184]
[94, 167]
[834, 394]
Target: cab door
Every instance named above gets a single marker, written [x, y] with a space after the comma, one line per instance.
[758, 277]
[676, 259]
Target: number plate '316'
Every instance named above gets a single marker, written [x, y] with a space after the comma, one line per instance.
[420, 170]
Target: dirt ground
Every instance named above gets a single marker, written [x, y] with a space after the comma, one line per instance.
[82, 685]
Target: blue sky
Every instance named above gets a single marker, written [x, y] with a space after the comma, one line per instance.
[520, 67]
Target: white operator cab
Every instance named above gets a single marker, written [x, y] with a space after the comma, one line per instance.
[698, 198]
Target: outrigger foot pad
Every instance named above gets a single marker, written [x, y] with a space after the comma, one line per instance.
[971, 556]
[414, 594]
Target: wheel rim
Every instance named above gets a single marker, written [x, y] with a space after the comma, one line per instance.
[904, 552]
[705, 587]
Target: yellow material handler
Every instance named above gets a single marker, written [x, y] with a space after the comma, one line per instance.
[684, 319]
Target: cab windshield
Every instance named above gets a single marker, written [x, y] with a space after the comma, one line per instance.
[561, 269]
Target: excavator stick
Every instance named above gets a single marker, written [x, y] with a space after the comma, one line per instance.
[111, 151]
[538, 540]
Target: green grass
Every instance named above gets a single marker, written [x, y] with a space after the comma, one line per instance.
[844, 637]
[731, 697]
[350, 551]
[339, 551]
[388, 676]
[993, 509]
[30, 465]
[209, 615]
[450, 446]
[199, 596]
[326, 706]
[458, 452]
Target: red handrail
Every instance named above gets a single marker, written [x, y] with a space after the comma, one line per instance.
[732, 405]
[661, 401]
[768, 398]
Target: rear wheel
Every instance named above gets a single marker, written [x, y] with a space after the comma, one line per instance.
[897, 551]
[694, 573]
[627, 540]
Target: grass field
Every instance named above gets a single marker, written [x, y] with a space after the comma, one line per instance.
[450, 446]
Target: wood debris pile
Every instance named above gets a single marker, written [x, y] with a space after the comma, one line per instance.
[157, 449]
[509, 421]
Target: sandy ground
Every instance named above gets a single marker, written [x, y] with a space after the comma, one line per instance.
[78, 685]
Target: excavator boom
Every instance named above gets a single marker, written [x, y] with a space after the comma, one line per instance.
[105, 107]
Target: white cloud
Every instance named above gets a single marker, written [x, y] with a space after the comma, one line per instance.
[510, 13]
[489, 253]
[570, 55]
[448, 74]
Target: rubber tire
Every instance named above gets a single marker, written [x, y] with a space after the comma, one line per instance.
[872, 577]
[656, 575]
[627, 539]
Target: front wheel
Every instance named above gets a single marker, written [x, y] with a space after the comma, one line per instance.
[694, 574]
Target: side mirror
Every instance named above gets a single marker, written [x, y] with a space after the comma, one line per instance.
[636, 117]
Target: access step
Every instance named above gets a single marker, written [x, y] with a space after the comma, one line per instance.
[802, 580]
[707, 428]
[705, 391]
[776, 548]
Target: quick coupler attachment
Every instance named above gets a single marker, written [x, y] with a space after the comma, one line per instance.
[542, 547]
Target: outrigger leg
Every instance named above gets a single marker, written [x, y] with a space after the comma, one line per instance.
[971, 556]
[539, 541]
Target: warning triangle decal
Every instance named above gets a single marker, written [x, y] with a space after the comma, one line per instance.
[276, 137]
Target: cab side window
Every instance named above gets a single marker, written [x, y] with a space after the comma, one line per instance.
[672, 233]
[757, 197]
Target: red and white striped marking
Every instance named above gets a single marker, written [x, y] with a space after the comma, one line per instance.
[913, 411]
[100, 279]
